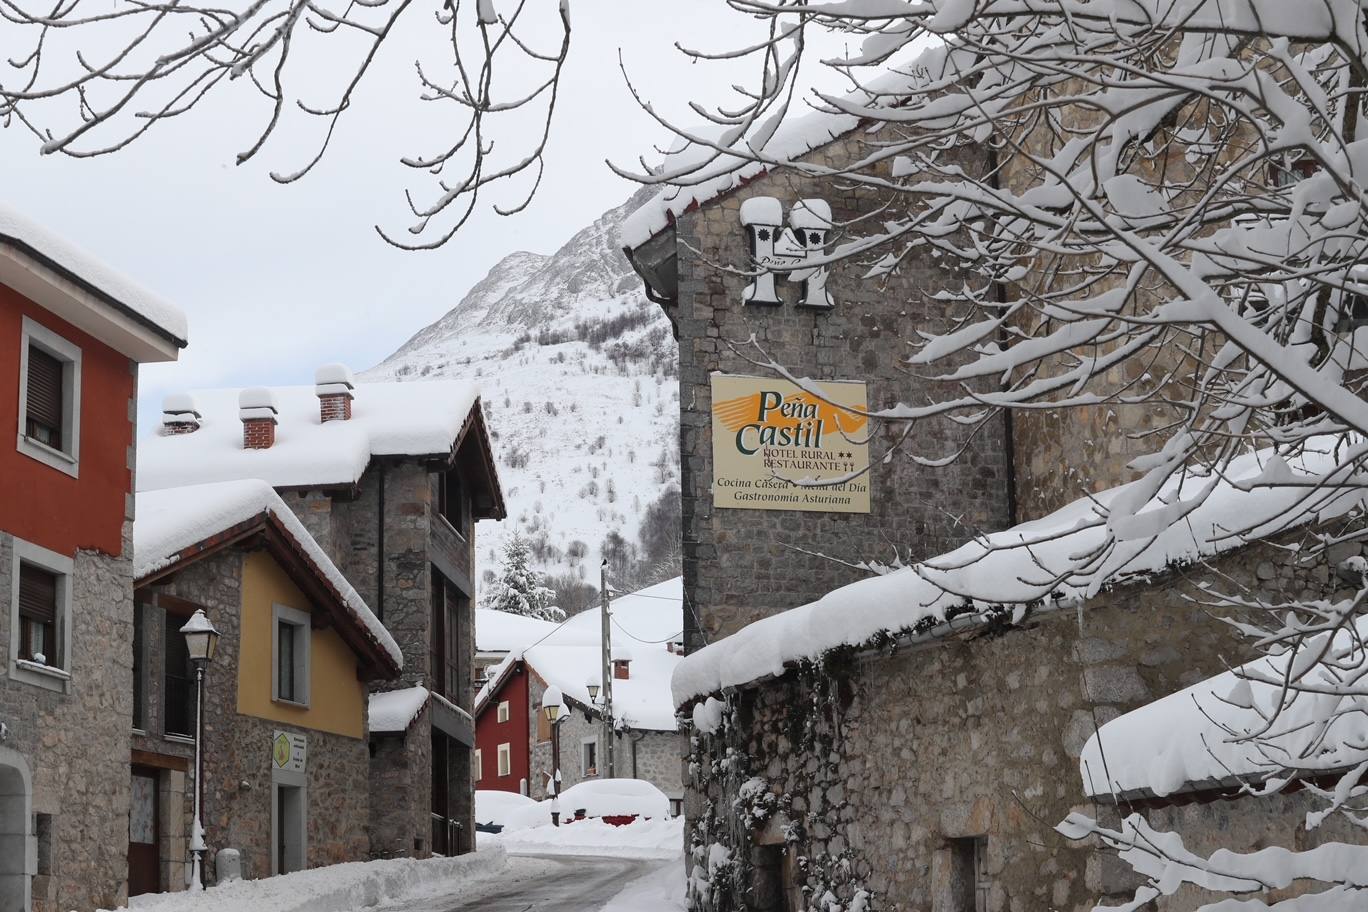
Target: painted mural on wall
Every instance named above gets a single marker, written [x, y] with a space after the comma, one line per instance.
[773, 440]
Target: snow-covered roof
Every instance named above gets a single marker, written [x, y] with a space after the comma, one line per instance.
[500, 631]
[710, 172]
[1037, 562]
[395, 710]
[1191, 739]
[388, 419]
[171, 520]
[646, 622]
[32, 240]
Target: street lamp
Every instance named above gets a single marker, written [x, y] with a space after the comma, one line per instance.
[554, 709]
[591, 683]
[201, 640]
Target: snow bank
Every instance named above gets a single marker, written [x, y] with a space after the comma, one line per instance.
[656, 838]
[662, 890]
[596, 798]
[388, 419]
[170, 520]
[496, 807]
[1039, 562]
[1190, 739]
[395, 710]
[333, 888]
[20, 230]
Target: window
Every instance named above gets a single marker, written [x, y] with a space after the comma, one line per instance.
[139, 667]
[589, 758]
[290, 659]
[452, 502]
[178, 680]
[40, 616]
[505, 760]
[49, 398]
[479, 764]
[503, 710]
[448, 606]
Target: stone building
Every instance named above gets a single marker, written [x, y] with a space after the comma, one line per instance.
[514, 737]
[894, 740]
[72, 337]
[285, 749]
[389, 479]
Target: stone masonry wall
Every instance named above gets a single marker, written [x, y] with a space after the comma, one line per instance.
[75, 743]
[400, 789]
[741, 565]
[866, 772]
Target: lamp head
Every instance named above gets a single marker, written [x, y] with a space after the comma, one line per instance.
[552, 703]
[201, 639]
[591, 683]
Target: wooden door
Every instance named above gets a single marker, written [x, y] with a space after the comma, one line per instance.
[144, 875]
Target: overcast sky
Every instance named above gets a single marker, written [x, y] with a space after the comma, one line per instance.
[278, 279]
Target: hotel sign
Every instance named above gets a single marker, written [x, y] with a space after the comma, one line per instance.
[289, 751]
[769, 435]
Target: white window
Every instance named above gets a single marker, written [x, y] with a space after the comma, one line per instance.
[290, 655]
[505, 760]
[479, 765]
[49, 398]
[503, 711]
[40, 616]
[589, 757]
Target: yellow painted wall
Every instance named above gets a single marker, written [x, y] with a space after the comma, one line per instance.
[337, 700]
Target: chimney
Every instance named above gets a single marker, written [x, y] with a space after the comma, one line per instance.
[334, 384]
[622, 662]
[180, 415]
[257, 408]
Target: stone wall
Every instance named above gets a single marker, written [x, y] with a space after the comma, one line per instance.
[75, 740]
[740, 565]
[870, 772]
[400, 788]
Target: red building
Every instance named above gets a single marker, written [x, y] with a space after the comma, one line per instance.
[503, 731]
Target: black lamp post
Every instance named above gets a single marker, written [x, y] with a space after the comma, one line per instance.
[201, 641]
[552, 705]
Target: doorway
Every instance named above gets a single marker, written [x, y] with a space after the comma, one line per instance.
[16, 844]
[144, 835]
[288, 829]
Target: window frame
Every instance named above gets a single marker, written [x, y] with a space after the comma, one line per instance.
[505, 759]
[68, 458]
[50, 675]
[502, 712]
[585, 744]
[479, 764]
[299, 621]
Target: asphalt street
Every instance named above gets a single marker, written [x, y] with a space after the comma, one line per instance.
[539, 883]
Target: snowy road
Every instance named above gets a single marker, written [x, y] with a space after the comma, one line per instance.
[540, 884]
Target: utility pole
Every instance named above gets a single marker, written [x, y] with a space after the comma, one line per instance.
[607, 662]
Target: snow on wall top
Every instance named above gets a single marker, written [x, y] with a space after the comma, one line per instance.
[395, 710]
[1191, 738]
[172, 519]
[572, 655]
[721, 162]
[388, 419]
[997, 570]
[159, 314]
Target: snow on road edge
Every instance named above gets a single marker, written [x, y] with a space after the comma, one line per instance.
[660, 890]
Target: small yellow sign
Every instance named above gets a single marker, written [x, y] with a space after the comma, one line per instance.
[281, 750]
[772, 440]
[289, 751]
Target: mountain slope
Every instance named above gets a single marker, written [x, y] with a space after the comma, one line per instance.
[578, 378]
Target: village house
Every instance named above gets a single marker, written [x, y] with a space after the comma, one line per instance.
[285, 748]
[389, 479]
[497, 633]
[72, 337]
[513, 736]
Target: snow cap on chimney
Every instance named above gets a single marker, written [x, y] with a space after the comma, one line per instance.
[180, 414]
[334, 384]
[257, 408]
[622, 662]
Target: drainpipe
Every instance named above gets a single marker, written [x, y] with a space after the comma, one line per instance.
[635, 741]
[380, 546]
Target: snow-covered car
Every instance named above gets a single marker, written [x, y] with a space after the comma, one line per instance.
[614, 800]
[493, 808]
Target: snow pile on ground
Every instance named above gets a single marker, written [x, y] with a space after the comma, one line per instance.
[388, 419]
[170, 520]
[595, 798]
[1040, 562]
[335, 887]
[656, 838]
[662, 890]
[496, 807]
[1191, 738]
[395, 710]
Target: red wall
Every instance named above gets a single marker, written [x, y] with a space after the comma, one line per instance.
[490, 733]
[37, 502]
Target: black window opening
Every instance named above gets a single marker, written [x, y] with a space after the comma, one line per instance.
[451, 500]
[447, 608]
[287, 681]
[38, 616]
[45, 396]
[590, 767]
[179, 687]
[139, 668]
[969, 883]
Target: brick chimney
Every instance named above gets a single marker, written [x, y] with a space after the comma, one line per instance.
[622, 663]
[334, 384]
[180, 415]
[258, 409]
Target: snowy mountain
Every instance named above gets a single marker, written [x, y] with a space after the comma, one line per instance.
[578, 377]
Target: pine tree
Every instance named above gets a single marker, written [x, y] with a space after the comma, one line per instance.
[518, 588]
